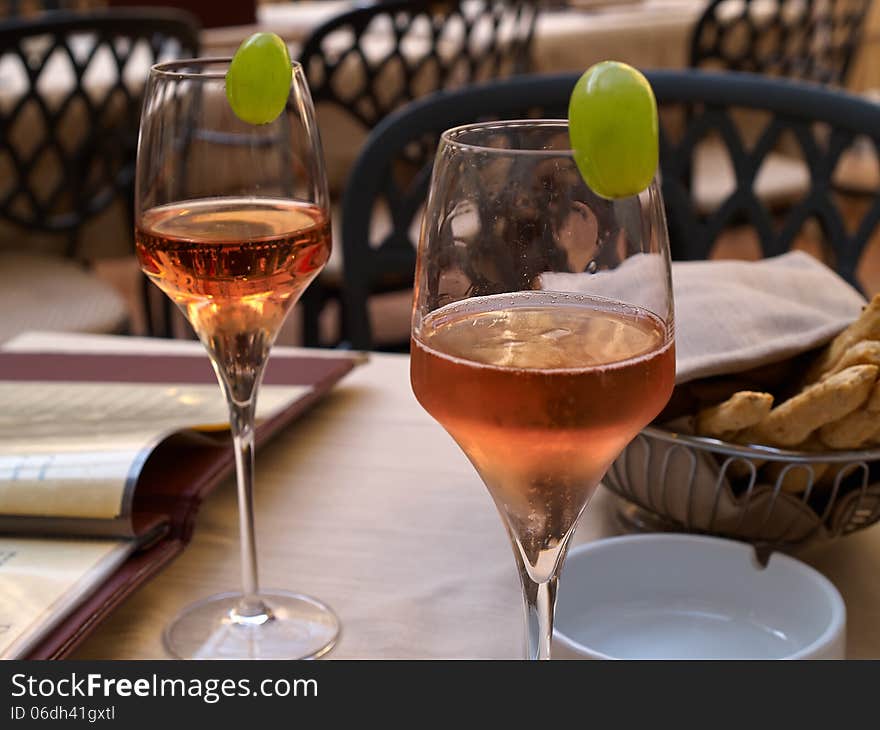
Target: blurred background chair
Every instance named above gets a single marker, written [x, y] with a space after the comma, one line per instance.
[822, 123]
[811, 40]
[70, 99]
[27, 8]
[366, 62]
[371, 60]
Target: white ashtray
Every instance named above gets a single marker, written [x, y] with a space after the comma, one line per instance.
[671, 596]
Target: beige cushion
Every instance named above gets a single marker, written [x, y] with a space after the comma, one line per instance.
[781, 179]
[39, 292]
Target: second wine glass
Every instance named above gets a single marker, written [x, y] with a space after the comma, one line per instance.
[233, 223]
[542, 331]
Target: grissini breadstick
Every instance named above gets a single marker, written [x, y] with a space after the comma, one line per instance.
[725, 420]
[866, 352]
[856, 429]
[741, 410]
[866, 327]
[790, 423]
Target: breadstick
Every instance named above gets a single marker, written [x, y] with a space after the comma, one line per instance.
[727, 419]
[791, 422]
[740, 411]
[866, 327]
[856, 429]
[866, 352]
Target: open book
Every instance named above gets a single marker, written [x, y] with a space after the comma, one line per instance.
[104, 459]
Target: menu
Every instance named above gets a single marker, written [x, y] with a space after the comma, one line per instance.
[104, 460]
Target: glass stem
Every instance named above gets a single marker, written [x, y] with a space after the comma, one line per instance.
[241, 420]
[239, 354]
[240, 384]
[540, 580]
[540, 599]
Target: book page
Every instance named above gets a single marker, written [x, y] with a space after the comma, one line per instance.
[75, 449]
[42, 581]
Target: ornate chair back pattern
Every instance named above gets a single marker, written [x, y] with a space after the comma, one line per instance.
[374, 59]
[812, 40]
[824, 124]
[14, 8]
[69, 114]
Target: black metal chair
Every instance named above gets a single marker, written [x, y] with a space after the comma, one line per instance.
[69, 115]
[365, 63]
[823, 122]
[811, 40]
[15, 8]
[418, 46]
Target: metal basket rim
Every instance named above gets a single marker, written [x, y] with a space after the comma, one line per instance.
[756, 451]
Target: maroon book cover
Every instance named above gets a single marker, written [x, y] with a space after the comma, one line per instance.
[178, 474]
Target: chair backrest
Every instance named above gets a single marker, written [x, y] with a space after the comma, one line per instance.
[14, 8]
[812, 40]
[822, 123]
[373, 59]
[70, 100]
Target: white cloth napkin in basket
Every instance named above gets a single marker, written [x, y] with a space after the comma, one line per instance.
[731, 316]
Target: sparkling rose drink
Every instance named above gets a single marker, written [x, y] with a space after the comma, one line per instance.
[235, 267]
[542, 392]
[238, 255]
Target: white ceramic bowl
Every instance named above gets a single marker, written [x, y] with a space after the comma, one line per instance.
[670, 596]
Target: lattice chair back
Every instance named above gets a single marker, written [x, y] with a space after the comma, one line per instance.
[373, 59]
[70, 102]
[16, 8]
[837, 135]
[812, 40]
[830, 135]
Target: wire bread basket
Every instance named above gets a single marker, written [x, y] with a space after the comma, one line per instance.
[693, 483]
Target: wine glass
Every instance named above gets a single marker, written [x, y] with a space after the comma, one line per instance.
[542, 331]
[232, 223]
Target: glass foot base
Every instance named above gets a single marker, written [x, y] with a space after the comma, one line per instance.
[278, 625]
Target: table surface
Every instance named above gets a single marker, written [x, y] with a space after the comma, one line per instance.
[366, 503]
